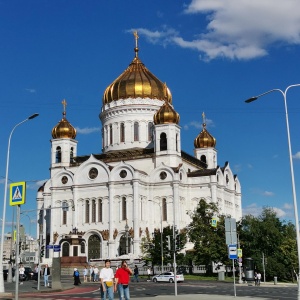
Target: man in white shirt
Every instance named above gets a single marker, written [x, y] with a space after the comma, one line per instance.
[107, 281]
[96, 273]
[21, 274]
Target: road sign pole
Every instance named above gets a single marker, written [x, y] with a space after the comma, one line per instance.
[17, 255]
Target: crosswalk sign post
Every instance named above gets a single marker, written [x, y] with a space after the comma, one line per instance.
[17, 193]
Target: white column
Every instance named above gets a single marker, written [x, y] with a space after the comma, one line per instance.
[136, 223]
[176, 202]
[111, 242]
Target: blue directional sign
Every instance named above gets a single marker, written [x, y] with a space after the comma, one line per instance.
[17, 193]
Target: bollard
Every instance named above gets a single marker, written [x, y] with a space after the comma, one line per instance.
[275, 279]
[221, 276]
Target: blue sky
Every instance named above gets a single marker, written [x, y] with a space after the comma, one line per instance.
[212, 54]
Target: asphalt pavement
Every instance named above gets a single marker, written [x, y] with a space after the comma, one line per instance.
[29, 289]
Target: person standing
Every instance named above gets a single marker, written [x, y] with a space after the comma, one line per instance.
[85, 273]
[149, 274]
[21, 274]
[96, 274]
[258, 276]
[91, 273]
[122, 278]
[76, 277]
[136, 274]
[46, 275]
[107, 287]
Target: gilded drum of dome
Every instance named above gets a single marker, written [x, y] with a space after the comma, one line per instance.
[137, 81]
[64, 130]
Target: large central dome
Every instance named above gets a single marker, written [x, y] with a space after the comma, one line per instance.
[137, 82]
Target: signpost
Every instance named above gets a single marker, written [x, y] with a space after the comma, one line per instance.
[17, 197]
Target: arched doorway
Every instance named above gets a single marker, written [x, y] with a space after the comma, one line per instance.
[122, 245]
[65, 249]
[94, 247]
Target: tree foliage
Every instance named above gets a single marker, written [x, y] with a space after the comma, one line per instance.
[209, 242]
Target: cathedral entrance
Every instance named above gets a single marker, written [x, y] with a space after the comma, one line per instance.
[94, 247]
[122, 246]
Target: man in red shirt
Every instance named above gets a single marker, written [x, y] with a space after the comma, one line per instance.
[122, 278]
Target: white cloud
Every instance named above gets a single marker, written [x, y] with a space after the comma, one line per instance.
[236, 29]
[198, 125]
[288, 206]
[297, 155]
[87, 130]
[250, 166]
[255, 210]
[268, 194]
[31, 90]
[279, 212]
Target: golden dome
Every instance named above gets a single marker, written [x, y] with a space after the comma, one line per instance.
[166, 115]
[204, 139]
[64, 129]
[136, 81]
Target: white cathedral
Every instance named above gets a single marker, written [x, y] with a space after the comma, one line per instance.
[141, 181]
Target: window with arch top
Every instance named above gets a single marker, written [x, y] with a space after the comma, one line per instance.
[163, 142]
[58, 155]
[164, 209]
[124, 209]
[136, 131]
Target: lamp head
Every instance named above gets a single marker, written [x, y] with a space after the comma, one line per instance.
[33, 116]
[251, 99]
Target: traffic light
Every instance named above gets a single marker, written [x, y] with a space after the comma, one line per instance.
[169, 242]
[177, 241]
[42, 251]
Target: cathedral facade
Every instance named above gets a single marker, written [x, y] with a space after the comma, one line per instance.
[102, 205]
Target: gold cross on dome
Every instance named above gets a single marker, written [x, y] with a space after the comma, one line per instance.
[136, 38]
[203, 118]
[64, 103]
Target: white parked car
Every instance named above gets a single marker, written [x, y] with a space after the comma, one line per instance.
[167, 277]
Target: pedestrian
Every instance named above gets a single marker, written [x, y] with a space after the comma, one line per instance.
[107, 287]
[91, 273]
[46, 274]
[96, 274]
[122, 278]
[21, 274]
[258, 275]
[255, 278]
[136, 274]
[85, 273]
[76, 277]
[36, 272]
[149, 274]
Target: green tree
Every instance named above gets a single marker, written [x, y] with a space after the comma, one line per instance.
[209, 242]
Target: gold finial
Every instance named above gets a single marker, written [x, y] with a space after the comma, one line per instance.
[64, 103]
[136, 49]
[203, 119]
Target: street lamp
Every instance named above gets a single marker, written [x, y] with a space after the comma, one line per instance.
[4, 202]
[126, 234]
[291, 167]
[161, 236]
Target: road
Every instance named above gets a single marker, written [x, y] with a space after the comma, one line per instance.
[145, 289]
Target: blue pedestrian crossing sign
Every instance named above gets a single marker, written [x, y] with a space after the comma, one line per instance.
[17, 193]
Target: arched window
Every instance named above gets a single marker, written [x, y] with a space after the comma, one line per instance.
[150, 131]
[203, 158]
[82, 247]
[136, 131]
[110, 134]
[87, 211]
[64, 217]
[102, 133]
[122, 133]
[124, 209]
[176, 142]
[100, 209]
[164, 209]
[66, 249]
[93, 211]
[163, 142]
[58, 155]
[71, 154]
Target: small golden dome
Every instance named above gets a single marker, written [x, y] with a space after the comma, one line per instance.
[64, 129]
[166, 115]
[136, 81]
[204, 139]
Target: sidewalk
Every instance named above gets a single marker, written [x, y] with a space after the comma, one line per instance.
[29, 290]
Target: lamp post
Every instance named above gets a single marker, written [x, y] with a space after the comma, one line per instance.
[4, 202]
[291, 167]
[161, 236]
[126, 234]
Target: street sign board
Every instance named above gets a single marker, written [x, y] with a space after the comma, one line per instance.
[230, 231]
[17, 193]
[214, 222]
[56, 249]
[49, 246]
[240, 252]
[232, 252]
